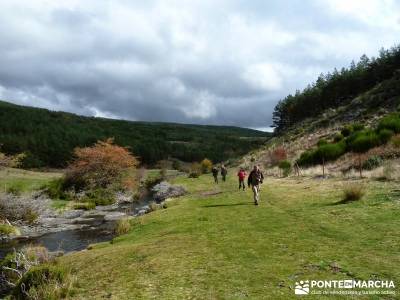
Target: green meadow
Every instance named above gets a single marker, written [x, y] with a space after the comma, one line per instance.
[214, 243]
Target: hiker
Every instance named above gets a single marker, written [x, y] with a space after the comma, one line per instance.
[254, 180]
[224, 172]
[241, 175]
[214, 172]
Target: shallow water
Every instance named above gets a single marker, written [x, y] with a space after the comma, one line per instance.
[65, 241]
[75, 240]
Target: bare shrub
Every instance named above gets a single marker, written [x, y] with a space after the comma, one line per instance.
[277, 155]
[25, 208]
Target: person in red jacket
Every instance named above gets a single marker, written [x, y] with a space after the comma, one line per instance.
[242, 175]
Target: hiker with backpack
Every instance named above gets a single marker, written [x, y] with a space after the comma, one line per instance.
[254, 180]
[241, 175]
[224, 172]
[214, 172]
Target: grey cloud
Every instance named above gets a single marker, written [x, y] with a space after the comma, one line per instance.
[225, 62]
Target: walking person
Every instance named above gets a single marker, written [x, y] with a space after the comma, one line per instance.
[241, 175]
[224, 172]
[214, 172]
[254, 180]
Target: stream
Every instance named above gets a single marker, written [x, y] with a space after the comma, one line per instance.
[76, 230]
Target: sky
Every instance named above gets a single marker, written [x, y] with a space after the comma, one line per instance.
[225, 62]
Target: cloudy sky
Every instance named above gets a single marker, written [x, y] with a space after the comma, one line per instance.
[199, 61]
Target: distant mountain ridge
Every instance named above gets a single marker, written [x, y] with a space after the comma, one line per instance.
[48, 137]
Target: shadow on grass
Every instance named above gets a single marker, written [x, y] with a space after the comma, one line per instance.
[233, 204]
[341, 202]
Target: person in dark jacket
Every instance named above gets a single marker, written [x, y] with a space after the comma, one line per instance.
[224, 172]
[254, 180]
[214, 172]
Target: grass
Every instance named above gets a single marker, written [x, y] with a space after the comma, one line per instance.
[352, 193]
[122, 226]
[215, 244]
[23, 181]
[8, 230]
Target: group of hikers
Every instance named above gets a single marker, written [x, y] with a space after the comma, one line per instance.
[254, 180]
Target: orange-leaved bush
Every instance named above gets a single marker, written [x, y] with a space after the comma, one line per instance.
[100, 165]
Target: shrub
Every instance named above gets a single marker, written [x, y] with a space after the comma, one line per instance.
[328, 152]
[385, 135]
[395, 140]
[306, 158]
[206, 166]
[277, 155]
[6, 229]
[44, 282]
[22, 208]
[154, 206]
[362, 141]
[346, 130]
[152, 181]
[85, 205]
[388, 171]
[195, 170]
[14, 190]
[372, 162]
[391, 122]
[176, 164]
[286, 167]
[358, 127]
[55, 189]
[122, 226]
[338, 137]
[99, 166]
[99, 196]
[322, 142]
[352, 193]
[30, 216]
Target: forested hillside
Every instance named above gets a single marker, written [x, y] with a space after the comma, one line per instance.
[381, 75]
[48, 137]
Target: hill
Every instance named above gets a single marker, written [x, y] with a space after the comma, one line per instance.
[347, 121]
[374, 82]
[49, 137]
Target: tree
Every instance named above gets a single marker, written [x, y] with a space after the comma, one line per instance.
[100, 165]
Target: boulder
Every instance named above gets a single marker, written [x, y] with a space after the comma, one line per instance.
[165, 190]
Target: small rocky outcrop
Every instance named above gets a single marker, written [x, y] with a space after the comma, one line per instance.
[165, 190]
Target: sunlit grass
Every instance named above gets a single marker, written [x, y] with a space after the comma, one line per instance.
[215, 244]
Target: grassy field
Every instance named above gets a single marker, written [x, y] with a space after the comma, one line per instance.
[24, 181]
[215, 244]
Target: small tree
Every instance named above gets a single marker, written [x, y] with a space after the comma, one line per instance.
[286, 167]
[100, 165]
[361, 144]
[206, 165]
[328, 152]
